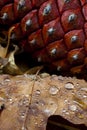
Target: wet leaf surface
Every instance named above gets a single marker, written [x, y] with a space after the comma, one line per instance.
[29, 100]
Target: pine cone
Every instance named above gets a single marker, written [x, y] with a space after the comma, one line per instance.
[54, 32]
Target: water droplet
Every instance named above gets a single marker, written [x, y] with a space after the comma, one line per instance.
[44, 75]
[24, 102]
[84, 89]
[65, 101]
[73, 107]
[27, 96]
[50, 107]
[10, 100]
[69, 86]
[23, 115]
[33, 77]
[38, 92]
[61, 78]
[53, 90]
[7, 80]
[77, 84]
[40, 103]
[67, 113]
[36, 123]
[23, 128]
[84, 96]
[63, 110]
[47, 111]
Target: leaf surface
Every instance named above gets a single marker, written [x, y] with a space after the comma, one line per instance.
[26, 101]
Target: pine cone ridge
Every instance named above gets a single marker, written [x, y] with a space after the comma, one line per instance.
[54, 32]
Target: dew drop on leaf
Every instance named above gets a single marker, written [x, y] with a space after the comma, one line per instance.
[53, 90]
[73, 107]
[69, 86]
[38, 92]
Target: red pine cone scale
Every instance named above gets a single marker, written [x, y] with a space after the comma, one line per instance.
[53, 31]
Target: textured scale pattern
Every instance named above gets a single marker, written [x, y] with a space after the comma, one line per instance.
[53, 31]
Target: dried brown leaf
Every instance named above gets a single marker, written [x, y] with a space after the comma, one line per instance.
[29, 100]
[4, 50]
[11, 67]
